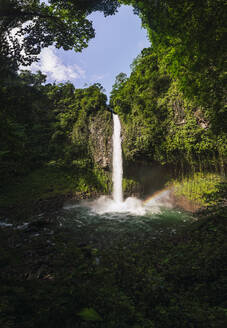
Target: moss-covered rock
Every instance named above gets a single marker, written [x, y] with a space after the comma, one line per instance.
[100, 129]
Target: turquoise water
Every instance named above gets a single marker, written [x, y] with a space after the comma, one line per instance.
[107, 228]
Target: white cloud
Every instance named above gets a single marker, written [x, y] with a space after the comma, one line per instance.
[51, 65]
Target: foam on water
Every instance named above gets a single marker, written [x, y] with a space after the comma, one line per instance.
[132, 205]
[106, 204]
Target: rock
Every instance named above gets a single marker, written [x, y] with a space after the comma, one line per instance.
[100, 140]
[184, 203]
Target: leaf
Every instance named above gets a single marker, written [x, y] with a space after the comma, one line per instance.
[89, 314]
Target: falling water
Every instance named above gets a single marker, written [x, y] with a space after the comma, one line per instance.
[117, 161]
[131, 205]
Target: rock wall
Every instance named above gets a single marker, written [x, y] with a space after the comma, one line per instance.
[100, 139]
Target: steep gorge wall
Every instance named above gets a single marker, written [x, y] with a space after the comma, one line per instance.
[100, 139]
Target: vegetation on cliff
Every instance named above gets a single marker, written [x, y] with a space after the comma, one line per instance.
[173, 104]
[160, 123]
[48, 132]
[45, 126]
[172, 108]
[189, 39]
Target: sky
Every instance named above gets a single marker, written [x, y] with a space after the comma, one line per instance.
[119, 39]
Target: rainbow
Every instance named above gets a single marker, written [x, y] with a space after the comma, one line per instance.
[158, 195]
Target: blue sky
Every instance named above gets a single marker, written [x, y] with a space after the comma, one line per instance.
[119, 39]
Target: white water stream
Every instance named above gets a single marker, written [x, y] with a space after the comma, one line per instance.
[116, 204]
[117, 161]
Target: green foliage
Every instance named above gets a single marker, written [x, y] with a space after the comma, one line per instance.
[129, 185]
[161, 124]
[172, 110]
[89, 314]
[61, 23]
[171, 107]
[138, 101]
[198, 188]
[104, 183]
[25, 124]
[53, 181]
[189, 38]
[47, 126]
[52, 280]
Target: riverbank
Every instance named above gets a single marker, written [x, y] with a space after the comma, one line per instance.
[55, 273]
[55, 276]
[47, 189]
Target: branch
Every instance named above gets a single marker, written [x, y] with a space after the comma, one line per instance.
[15, 13]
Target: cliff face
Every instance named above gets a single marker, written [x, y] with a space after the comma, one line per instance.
[100, 139]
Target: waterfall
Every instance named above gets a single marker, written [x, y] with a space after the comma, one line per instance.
[117, 161]
[132, 205]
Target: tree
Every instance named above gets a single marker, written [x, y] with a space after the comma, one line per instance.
[189, 37]
[31, 79]
[27, 26]
[119, 81]
[160, 123]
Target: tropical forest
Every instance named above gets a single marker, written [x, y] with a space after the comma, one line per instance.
[113, 207]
